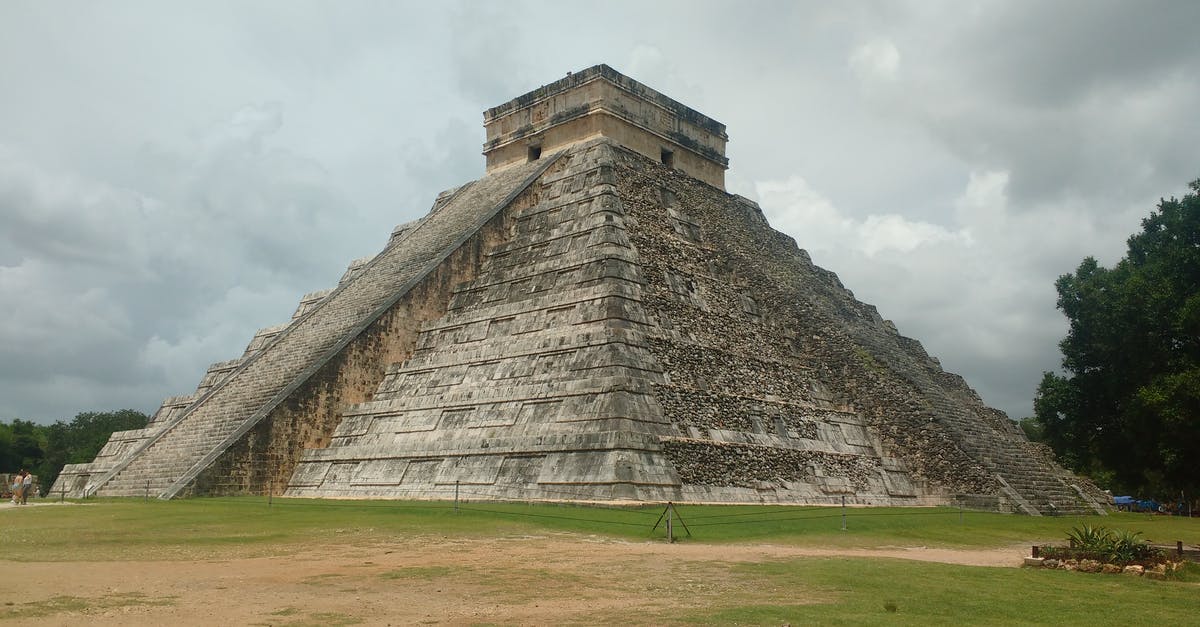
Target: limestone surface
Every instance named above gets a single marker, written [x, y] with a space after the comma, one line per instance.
[592, 324]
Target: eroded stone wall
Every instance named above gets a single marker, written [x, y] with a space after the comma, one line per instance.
[750, 323]
[747, 316]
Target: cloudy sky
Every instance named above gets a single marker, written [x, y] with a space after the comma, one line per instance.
[174, 176]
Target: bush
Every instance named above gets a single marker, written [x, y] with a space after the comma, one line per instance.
[1107, 546]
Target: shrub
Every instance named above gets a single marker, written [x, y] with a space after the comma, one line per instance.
[1091, 539]
[1107, 546]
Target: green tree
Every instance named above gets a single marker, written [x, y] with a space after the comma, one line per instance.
[44, 449]
[80, 440]
[8, 458]
[1032, 429]
[26, 444]
[57, 451]
[1128, 407]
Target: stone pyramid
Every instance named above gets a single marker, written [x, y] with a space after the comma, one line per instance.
[595, 320]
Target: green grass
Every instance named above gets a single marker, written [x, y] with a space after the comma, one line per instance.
[135, 529]
[322, 619]
[860, 591]
[941, 527]
[66, 603]
[1189, 574]
[419, 572]
[799, 591]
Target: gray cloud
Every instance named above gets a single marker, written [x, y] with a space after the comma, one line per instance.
[102, 274]
[1058, 54]
[173, 178]
[1070, 98]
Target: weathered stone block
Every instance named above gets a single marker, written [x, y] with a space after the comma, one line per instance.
[590, 324]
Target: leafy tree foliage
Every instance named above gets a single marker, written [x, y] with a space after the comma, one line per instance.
[1033, 429]
[1128, 409]
[45, 449]
[20, 445]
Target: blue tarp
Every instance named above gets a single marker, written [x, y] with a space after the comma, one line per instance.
[1135, 505]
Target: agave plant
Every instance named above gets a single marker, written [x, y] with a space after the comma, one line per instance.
[1124, 546]
[1091, 539]
[1129, 547]
[1117, 547]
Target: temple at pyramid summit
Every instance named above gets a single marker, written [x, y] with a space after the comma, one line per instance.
[595, 319]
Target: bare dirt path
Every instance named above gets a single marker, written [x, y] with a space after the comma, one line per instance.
[550, 579]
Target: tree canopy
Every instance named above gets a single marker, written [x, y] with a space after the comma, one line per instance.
[45, 449]
[1127, 410]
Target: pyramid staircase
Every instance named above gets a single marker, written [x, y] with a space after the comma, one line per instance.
[1032, 484]
[165, 459]
[536, 383]
[74, 479]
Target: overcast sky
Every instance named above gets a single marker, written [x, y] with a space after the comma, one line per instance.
[174, 176]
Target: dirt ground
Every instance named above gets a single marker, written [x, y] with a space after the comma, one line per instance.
[545, 579]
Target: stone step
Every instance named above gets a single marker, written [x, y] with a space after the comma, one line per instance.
[244, 395]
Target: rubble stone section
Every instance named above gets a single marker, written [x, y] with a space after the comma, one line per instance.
[273, 380]
[757, 341]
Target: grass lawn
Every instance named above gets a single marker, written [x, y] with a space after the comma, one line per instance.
[140, 529]
[858, 591]
[765, 591]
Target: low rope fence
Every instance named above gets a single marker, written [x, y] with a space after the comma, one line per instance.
[577, 505]
[586, 507]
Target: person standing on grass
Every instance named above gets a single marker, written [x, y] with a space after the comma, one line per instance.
[26, 486]
[18, 486]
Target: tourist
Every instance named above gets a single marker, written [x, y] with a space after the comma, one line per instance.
[19, 487]
[26, 486]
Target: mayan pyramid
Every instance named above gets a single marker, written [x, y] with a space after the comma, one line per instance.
[595, 319]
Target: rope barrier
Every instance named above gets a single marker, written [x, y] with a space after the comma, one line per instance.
[455, 497]
[837, 515]
[780, 515]
[532, 515]
[789, 510]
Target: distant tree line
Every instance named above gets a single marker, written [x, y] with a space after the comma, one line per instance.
[44, 449]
